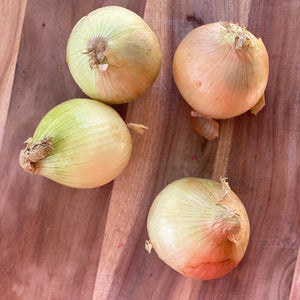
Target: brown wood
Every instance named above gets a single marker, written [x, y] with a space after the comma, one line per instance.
[11, 22]
[50, 235]
[63, 243]
[295, 289]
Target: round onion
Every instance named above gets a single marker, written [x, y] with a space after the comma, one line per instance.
[199, 227]
[113, 55]
[80, 143]
[221, 69]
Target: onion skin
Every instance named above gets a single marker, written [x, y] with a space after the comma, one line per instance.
[131, 55]
[206, 127]
[221, 70]
[90, 144]
[198, 229]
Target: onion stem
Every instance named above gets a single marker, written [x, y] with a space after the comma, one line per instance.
[96, 47]
[227, 224]
[34, 152]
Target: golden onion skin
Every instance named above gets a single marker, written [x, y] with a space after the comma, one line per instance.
[189, 224]
[131, 52]
[91, 144]
[221, 69]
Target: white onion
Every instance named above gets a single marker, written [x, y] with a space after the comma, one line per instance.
[80, 143]
[113, 55]
[199, 227]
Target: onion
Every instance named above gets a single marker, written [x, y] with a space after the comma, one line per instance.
[221, 70]
[199, 227]
[80, 143]
[113, 55]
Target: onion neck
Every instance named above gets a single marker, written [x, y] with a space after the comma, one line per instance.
[226, 224]
[238, 35]
[34, 152]
[96, 47]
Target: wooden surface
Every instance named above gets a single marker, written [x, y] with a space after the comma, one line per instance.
[61, 243]
[11, 21]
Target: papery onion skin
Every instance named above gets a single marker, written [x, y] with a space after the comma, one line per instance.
[192, 227]
[132, 55]
[221, 69]
[91, 144]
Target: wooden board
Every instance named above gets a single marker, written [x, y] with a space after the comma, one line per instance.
[63, 243]
[11, 22]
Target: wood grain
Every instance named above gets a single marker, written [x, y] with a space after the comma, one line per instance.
[125, 270]
[61, 243]
[11, 22]
[270, 142]
[50, 236]
[295, 289]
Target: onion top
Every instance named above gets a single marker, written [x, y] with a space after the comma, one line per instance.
[113, 55]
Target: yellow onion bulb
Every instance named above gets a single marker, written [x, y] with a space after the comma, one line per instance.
[199, 227]
[80, 143]
[221, 69]
[113, 55]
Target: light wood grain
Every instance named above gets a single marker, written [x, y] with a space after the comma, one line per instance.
[125, 270]
[295, 289]
[50, 235]
[128, 207]
[269, 142]
[61, 243]
[11, 22]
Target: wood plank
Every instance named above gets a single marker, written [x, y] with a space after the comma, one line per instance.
[159, 159]
[50, 235]
[248, 145]
[11, 22]
[295, 289]
[269, 142]
[129, 205]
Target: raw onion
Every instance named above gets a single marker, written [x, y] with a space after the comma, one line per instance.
[79, 143]
[199, 227]
[113, 55]
[221, 70]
